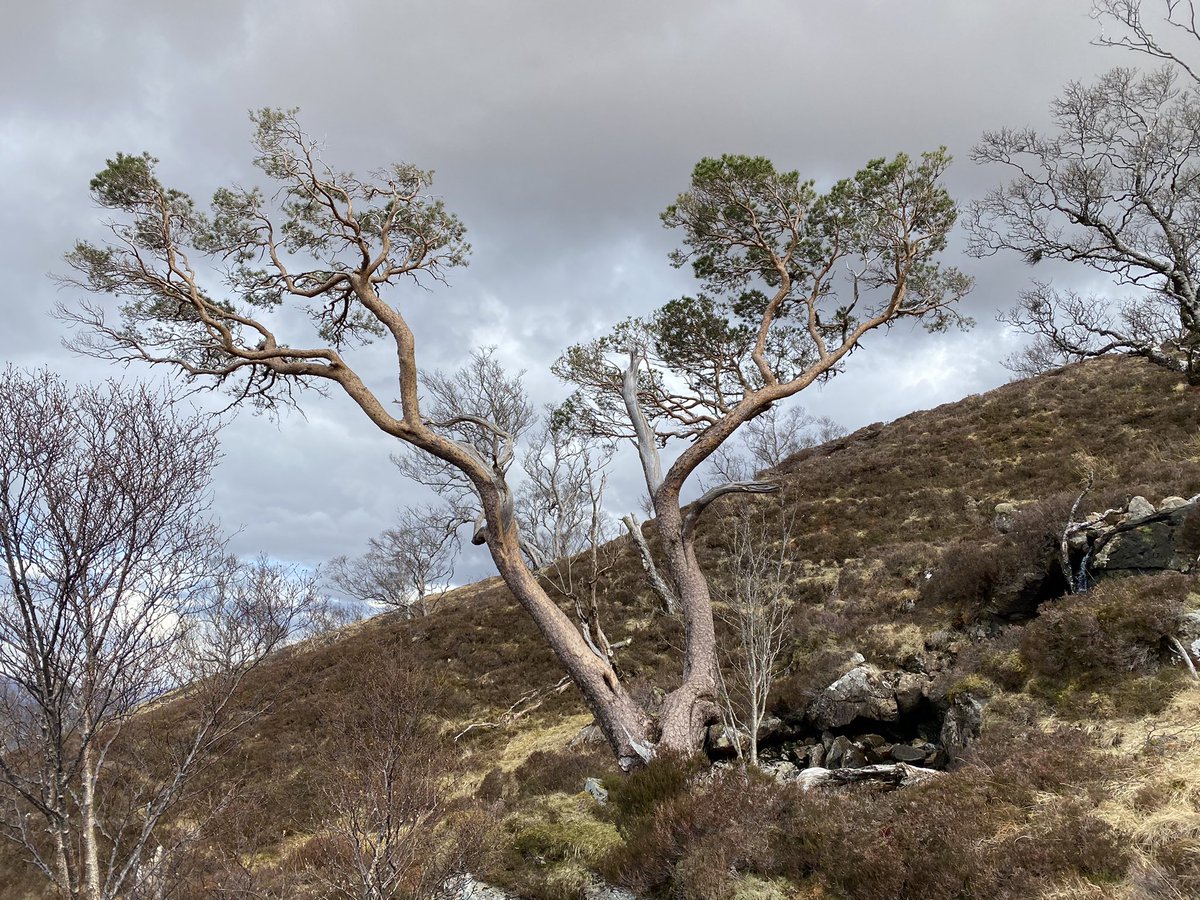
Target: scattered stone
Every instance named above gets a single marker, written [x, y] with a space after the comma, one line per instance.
[872, 740]
[1003, 518]
[837, 752]
[937, 759]
[853, 758]
[588, 734]
[906, 753]
[961, 726]
[782, 771]
[879, 754]
[1139, 508]
[816, 756]
[1170, 503]
[597, 790]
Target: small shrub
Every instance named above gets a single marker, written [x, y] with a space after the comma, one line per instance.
[694, 840]
[966, 576]
[552, 844]
[633, 798]
[550, 771]
[1117, 627]
[1006, 668]
[554, 833]
[496, 785]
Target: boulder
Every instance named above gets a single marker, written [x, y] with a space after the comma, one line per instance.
[1170, 503]
[596, 789]
[1139, 508]
[910, 691]
[854, 758]
[837, 752]
[961, 725]
[771, 728]
[862, 693]
[721, 741]
[906, 753]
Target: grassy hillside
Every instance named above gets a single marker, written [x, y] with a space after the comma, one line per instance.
[1084, 782]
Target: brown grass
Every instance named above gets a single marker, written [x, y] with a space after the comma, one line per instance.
[882, 515]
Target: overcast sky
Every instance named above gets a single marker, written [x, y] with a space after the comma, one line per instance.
[558, 131]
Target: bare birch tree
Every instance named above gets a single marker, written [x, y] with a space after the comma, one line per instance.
[768, 440]
[335, 244]
[394, 830]
[116, 591]
[408, 567]
[1115, 187]
[566, 532]
[756, 606]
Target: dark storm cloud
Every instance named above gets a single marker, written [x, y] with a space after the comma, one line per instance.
[559, 131]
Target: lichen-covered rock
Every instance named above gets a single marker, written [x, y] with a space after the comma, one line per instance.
[862, 693]
[1002, 521]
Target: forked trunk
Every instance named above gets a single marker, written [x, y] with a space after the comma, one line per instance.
[692, 706]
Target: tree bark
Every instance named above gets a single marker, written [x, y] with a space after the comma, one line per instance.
[91, 852]
[692, 706]
[629, 730]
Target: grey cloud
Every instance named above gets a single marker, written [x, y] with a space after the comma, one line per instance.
[559, 131]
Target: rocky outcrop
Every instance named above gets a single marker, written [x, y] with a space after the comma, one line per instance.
[721, 740]
[1143, 539]
[868, 717]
